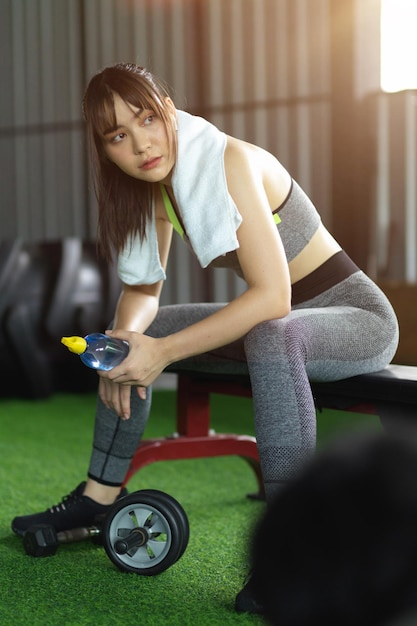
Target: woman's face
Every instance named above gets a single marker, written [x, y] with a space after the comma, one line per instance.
[138, 145]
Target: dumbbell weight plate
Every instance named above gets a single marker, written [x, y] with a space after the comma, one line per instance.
[43, 540]
[40, 540]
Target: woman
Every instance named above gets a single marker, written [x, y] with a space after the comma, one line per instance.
[308, 312]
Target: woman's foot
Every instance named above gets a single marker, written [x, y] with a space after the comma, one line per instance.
[75, 510]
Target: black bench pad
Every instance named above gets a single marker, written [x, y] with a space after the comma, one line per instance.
[390, 393]
[394, 384]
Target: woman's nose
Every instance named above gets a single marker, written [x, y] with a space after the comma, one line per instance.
[141, 141]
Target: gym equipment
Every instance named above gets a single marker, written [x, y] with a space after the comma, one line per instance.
[391, 394]
[47, 290]
[43, 540]
[145, 533]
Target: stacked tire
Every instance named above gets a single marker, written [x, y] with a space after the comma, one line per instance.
[47, 290]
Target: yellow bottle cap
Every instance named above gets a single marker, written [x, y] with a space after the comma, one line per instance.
[78, 345]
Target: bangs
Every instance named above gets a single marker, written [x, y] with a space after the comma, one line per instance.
[134, 87]
[103, 116]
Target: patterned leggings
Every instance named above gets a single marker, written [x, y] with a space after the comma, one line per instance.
[349, 329]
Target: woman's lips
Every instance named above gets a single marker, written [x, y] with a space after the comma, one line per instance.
[151, 163]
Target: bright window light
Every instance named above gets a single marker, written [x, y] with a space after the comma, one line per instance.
[398, 45]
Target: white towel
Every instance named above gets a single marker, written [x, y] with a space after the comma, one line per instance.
[139, 262]
[209, 215]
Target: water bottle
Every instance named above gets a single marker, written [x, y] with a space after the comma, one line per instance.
[98, 351]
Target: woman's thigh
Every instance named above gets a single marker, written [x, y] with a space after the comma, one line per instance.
[348, 330]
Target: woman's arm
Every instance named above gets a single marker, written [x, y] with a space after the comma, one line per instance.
[138, 304]
[135, 311]
[263, 262]
[137, 307]
[264, 265]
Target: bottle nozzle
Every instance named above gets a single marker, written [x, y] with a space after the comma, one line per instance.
[78, 345]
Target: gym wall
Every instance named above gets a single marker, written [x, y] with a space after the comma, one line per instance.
[280, 73]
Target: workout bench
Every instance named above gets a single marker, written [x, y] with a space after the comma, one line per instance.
[391, 394]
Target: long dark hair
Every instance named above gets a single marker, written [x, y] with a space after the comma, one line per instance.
[124, 203]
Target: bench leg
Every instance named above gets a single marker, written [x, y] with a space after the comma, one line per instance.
[193, 438]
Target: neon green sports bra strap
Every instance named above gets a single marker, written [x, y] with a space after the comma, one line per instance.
[172, 216]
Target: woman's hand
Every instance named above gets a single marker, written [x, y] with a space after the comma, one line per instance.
[140, 368]
[117, 397]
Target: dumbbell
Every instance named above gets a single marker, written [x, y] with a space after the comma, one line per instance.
[144, 532]
[43, 540]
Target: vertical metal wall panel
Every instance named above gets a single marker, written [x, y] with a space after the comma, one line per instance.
[367, 49]
[90, 17]
[256, 68]
[259, 80]
[107, 40]
[410, 169]
[280, 129]
[178, 43]
[394, 248]
[7, 141]
[158, 49]
[277, 50]
[44, 86]
[217, 58]
[302, 26]
[140, 43]
[395, 242]
[48, 148]
[320, 160]
[20, 103]
[269, 57]
[381, 225]
[226, 286]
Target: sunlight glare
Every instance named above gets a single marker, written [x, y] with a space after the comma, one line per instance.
[398, 45]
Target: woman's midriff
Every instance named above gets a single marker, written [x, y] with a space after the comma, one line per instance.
[320, 248]
[332, 272]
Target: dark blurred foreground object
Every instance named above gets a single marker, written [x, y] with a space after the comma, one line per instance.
[339, 545]
[48, 290]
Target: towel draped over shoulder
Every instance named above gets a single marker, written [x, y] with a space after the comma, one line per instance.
[209, 215]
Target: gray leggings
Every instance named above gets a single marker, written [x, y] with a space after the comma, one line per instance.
[349, 329]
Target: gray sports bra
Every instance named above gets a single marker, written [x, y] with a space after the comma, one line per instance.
[297, 222]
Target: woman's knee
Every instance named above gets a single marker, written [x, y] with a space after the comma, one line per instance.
[265, 337]
[274, 339]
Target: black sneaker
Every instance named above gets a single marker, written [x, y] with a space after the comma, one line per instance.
[245, 600]
[74, 511]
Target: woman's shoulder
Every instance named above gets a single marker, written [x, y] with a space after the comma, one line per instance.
[240, 152]
[258, 163]
[239, 149]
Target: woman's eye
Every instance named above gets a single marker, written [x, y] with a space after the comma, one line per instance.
[149, 119]
[117, 138]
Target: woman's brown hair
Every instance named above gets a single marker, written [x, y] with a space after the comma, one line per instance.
[124, 203]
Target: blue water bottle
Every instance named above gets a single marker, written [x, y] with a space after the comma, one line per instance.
[98, 351]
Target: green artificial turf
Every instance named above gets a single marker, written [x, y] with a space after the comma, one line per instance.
[44, 451]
